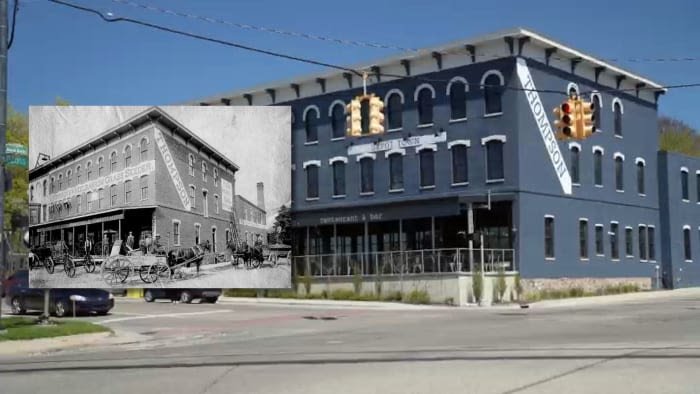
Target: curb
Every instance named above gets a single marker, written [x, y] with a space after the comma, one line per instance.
[43, 345]
[326, 303]
[616, 298]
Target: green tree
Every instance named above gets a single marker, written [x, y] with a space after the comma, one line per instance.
[676, 136]
[283, 220]
[17, 199]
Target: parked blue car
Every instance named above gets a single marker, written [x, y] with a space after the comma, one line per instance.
[22, 298]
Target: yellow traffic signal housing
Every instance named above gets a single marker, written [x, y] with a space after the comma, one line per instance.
[585, 119]
[565, 120]
[376, 115]
[354, 118]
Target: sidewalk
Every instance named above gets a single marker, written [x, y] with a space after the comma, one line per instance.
[693, 292]
[46, 345]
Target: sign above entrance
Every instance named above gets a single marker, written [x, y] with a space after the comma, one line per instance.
[397, 143]
[538, 111]
[172, 169]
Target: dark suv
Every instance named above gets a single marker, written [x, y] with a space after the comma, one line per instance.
[22, 298]
[183, 295]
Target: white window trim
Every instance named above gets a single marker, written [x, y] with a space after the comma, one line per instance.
[684, 169]
[309, 108]
[390, 152]
[495, 137]
[598, 148]
[337, 158]
[179, 226]
[392, 91]
[620, 155]
[425, 125]
[573, 145]
[618, 101]
[640, 160]
[572, 85]
[333, 104]
[421, 87]
[339, 196]
[457, 79]
[372, 156]
[316, 163]
[466, 143]
[396, 190]
[488, 74]
[596, 93]
[687, 227]
[432, 147]
[311, 142]
[129, 146]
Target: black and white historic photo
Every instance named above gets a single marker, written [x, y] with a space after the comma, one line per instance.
[146, 197]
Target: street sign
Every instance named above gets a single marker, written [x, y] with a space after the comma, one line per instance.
[16, 155]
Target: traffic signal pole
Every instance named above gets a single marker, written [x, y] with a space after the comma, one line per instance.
[3, 131]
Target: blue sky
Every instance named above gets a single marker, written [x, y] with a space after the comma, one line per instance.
[64, 52]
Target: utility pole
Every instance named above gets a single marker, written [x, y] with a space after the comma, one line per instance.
[3, 132]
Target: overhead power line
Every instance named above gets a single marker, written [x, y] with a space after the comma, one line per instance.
[111, 19]
[358, 43]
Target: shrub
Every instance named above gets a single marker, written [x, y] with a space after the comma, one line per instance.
[576, 292]
[477, 283]
[501, 285]
[393, 296]
[357, 279]
[417, 297]
[342, 294]
[240, 293]
[518, 286]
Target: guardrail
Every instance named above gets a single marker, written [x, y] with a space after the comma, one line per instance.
[409, 262]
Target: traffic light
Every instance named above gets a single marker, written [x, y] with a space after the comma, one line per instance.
[354, 118]
[565, 120]
[376, 115]
[585, 119]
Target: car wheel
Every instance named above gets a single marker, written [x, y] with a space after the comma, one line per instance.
[17, 307]
[60, 308]
[148, 296]
[185, 297]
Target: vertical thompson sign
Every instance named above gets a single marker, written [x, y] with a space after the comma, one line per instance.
[172, 169]
[538, 111]
[226, 195]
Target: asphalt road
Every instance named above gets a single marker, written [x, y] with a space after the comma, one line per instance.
[642, 347]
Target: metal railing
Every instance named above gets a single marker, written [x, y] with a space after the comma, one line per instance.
[409, 262]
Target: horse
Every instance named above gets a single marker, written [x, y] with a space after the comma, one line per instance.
[179, 255]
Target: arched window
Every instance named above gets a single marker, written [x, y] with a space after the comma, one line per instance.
[619, 173]
[204, 171]
[113, 195]
[427, 168]
[338, 178]
[425, 106]
[492, 86]
[60, 182]
[575, 165]
[311, 124]
[113, 163]
[127, 191]
[193, 196]
[640, 177]
[597, 110]
[395, 112]
[366, 175]
[78, 175]
[100, 166]
[89, 201]
[598, 167]
[127, 156]
[338, 121]
[311, 182]
[458, 100]
[190, 160]
[43, 188]
[144, 187]
[215, 175]
[88, 170]
[686, 244]
[101, 198]
[53, 185]
[205, 204]
[216, 203]
[69, 178]
[197, 233]
[685, 192]
[617, 109]
[144, 149]
[396, 171]
[460, 168]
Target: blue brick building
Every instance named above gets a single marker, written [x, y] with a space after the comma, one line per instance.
[467, 172]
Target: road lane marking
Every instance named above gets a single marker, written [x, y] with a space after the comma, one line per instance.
[162, 315]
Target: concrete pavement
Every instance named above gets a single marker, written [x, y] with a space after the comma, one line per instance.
[643, 346]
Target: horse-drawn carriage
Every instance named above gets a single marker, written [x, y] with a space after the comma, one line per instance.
[151, 266]
[50, 255]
